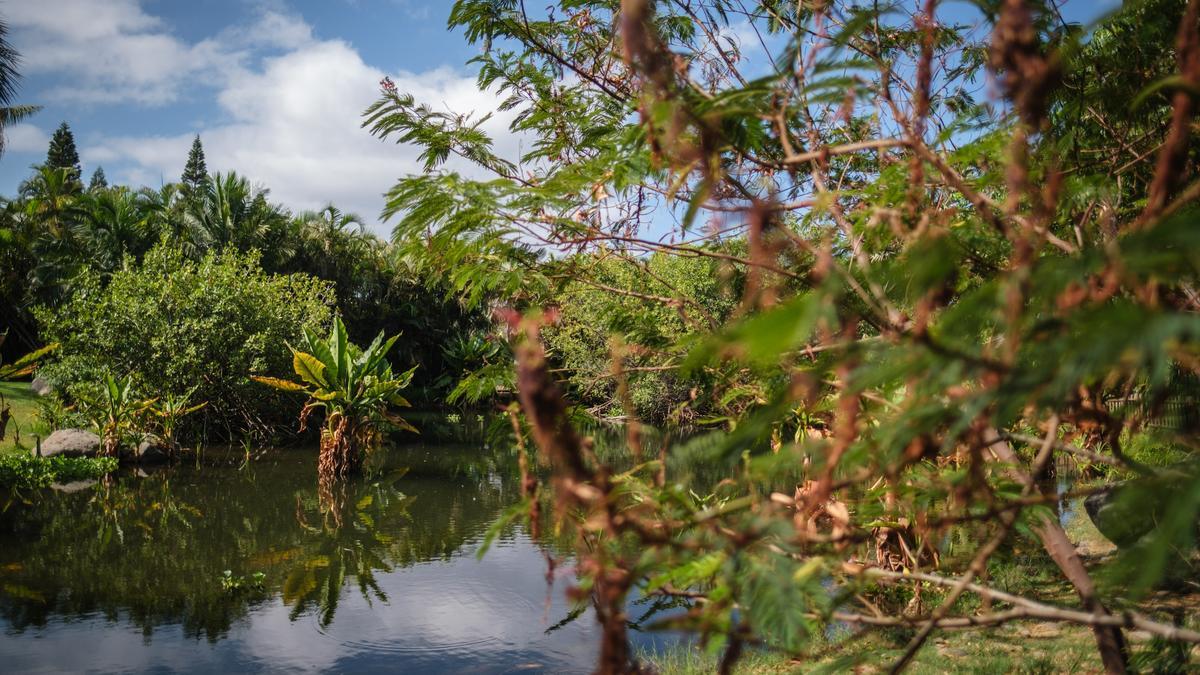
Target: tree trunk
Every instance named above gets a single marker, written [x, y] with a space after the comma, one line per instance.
[1109, 639]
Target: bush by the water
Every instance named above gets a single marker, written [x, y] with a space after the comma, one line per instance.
[26, 472]
[175, 324]
[612, 301]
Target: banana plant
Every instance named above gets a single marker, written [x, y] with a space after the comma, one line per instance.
[355, 387]
[115, 411]
[171, 409]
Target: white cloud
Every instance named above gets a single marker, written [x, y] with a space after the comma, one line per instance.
[414, 11]
[291, 105]
[296, 129]
[116, 52]
[25, 137]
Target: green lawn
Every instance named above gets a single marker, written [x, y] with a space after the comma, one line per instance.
[24, 409]
[1022, 648]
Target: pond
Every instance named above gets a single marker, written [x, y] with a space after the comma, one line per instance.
[131, 575]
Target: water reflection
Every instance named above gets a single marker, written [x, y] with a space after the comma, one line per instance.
[380, 575]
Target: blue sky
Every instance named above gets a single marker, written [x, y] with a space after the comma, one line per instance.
[275, 88]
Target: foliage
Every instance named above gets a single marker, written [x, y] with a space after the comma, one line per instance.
[62, 153]
[940, 292]
[616, 300]
[195, 171]
[115, 411]
[354, 387]
[25, 365]
[172, 326]
[467, 358]
[20, 471]
[379, 291]
[10, 60]
[54, 231]
[169, 411]
[98, 181]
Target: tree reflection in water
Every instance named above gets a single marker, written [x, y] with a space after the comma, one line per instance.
[152, 549]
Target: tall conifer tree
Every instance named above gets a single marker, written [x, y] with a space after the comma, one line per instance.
[99, 180]
[195, 172]
[62, 153]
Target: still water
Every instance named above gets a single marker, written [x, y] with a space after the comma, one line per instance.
[131, 575]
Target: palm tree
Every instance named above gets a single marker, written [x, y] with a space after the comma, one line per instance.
[49, 214]
[113, 225]
[233, 213]
[332, 241]
[164, 213]
[50, 195]
[9, 60]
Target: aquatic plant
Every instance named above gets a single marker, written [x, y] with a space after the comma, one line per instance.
[19, 471]
[169, 410]
[355, 387]
[237, 584]
[115, 411]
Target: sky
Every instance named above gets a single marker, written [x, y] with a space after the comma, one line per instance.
[274, 88]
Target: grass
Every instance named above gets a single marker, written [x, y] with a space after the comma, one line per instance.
[1022, 648]
[694, 660]
[24, 416]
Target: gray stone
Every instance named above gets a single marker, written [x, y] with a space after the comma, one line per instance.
[41, 387]
[70, 443]
[152, 450]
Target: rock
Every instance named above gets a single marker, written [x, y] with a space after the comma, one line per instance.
[152, 450]
[70, 443]
[1117, 521]
[41, 387]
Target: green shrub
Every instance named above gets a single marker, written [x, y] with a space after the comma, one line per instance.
[173, 324]
[618, 302]
[26, 472]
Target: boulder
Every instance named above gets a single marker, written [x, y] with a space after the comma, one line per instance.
[1125, 513]
[70, 443]
[152, 450]
[41, 387]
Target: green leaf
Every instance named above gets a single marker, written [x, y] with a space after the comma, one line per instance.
[762, 338]
[309, 368]
[284, 385]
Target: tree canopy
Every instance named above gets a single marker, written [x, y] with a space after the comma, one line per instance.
[62, 153]
[195, 171]
[10, 61]
[968, 254]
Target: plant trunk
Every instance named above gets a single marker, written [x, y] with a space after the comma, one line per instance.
[1109, 639]
[339, 449]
